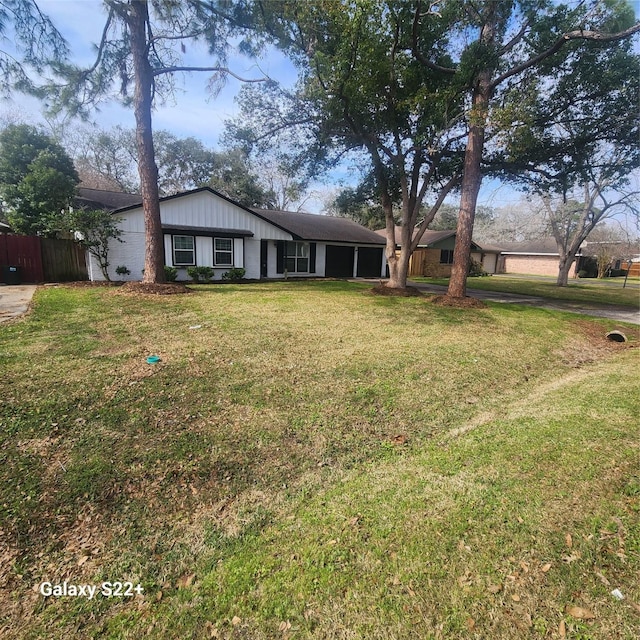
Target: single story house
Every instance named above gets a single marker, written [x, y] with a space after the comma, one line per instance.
[434, 255]
[536, 257]
[205, 228]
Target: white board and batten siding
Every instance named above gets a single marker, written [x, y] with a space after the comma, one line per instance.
[199, 209]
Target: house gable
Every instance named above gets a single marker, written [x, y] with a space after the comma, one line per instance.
[204, 228]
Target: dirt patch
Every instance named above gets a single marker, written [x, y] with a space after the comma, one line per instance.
[590, 343]
[458, 303]
[596, 333]
[407, 292]
[165, 289]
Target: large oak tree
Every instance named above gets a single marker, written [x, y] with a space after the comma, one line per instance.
[494, 45]
[362, 95]
[37, 180]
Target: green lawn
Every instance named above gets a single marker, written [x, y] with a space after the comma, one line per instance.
[309, 460]
[588, 291]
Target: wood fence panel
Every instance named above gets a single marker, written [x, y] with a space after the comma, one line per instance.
[63, 261]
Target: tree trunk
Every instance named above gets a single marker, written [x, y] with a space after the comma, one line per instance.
[564, 267]
[138, 17]
[471, 181]
[399, 269]
[399, 263]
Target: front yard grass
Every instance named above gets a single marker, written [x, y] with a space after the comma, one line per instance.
[588, 291]
[309, 460]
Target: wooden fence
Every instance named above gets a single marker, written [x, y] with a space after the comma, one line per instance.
[63, 261]
[42, 259]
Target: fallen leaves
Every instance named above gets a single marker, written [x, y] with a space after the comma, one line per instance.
[285, 625]
[579, 613]
[186, 580]
[575, 556]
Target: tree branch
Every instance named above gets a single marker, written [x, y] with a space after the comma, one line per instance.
[578, 34]
[416, 52]
[169, 70]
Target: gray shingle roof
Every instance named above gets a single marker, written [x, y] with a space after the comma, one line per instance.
[531, 247]
[432, 238]
[429, 238]
[309, 226]
[109, 200]
[302, 226]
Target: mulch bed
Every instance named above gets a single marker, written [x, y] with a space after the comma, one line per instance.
[458, 303]
[165, 289]
[407, 292]
[439, 301]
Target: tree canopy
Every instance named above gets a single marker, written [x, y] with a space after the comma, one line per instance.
[36, 44]
[37, 180]
[362, 94]
[422, 94]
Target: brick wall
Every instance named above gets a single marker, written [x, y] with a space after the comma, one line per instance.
[534, 265]
[426, 262]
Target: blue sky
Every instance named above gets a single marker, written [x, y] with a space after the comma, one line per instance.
[193, 111]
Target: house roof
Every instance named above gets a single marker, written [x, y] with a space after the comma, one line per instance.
[432, 238]
[429, 237]
[310, 226]
[109, 200]
[540, 247]
[302, 226]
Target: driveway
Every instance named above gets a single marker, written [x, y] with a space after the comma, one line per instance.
[15, 300]
[620, 314]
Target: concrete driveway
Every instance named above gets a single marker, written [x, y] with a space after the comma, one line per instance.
[15, 300]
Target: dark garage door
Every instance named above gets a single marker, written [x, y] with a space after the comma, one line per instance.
[369, 262]
[339, 262]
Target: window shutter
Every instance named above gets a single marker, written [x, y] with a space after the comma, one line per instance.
[312, 257]
[280, 256]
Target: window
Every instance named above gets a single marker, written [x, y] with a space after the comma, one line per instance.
[223, 252]
[446, 256]
[297, 258]
[184, 250]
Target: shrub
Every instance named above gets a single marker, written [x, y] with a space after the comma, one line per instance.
[237, 273]
[170, 273]
[193, 273]
[200, 274]
[206, 273]
[476, 269]
[589, 267]
[121, 270]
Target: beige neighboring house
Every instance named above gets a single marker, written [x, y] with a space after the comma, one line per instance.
[433, 257]
[535, 257]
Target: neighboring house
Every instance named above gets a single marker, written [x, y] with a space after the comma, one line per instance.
[536, 257]
[434, 255]
[633, 265]
[204, 228]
